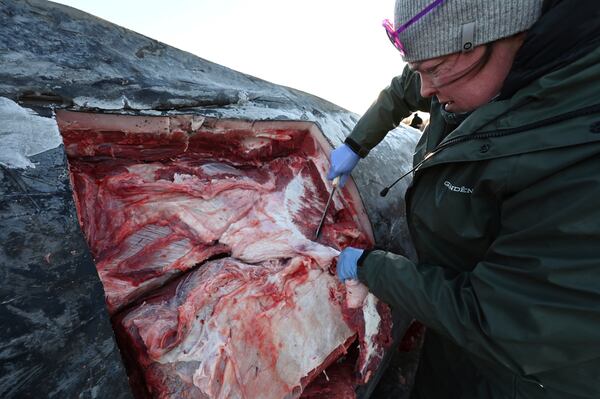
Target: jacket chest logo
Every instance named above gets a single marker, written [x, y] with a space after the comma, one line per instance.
[457, 189]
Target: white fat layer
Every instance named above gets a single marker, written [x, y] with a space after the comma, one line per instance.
[303, 338]
[147, 235]
[312, 330]
[216, 168]
[203, 343]
[250, 144]
[23, 134]
[278, 235]
[372, 322]
[145, 171]
[294, 193]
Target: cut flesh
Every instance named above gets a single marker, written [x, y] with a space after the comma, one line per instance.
[254, 326]
[159, 197]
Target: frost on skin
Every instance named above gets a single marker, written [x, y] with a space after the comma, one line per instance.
[23, 133]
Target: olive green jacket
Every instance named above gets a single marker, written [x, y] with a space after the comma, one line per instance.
[504, 211]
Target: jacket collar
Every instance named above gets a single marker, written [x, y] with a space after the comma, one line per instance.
[528, 120]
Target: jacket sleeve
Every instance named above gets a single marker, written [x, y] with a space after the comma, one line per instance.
[395, 103]
[533, 303]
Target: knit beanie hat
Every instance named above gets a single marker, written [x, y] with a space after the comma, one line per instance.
[460, 25]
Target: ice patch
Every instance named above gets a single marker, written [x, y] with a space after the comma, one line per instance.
[243, 97]
[23, 133]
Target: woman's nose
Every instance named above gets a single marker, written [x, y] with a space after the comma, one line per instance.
[427, 87]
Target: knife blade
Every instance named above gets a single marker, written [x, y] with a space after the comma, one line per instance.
[334, 184]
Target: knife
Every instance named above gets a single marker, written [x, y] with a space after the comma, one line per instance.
[335, 184]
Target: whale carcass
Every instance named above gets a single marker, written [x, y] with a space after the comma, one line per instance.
[230, 208]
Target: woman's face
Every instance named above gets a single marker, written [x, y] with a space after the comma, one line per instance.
[458, 84]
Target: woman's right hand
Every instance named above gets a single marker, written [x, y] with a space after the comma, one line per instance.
[343, 160]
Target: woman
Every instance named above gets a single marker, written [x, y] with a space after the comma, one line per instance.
[504, 207]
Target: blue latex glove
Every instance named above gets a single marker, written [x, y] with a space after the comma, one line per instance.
[343, 160]
[346, 264]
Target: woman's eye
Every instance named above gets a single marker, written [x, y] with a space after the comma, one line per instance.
[433, 71]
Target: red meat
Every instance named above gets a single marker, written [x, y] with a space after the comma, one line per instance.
[158, 199]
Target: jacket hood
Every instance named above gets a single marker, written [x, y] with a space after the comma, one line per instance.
[566, 31]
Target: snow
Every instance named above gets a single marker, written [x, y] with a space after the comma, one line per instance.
[23, 134]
